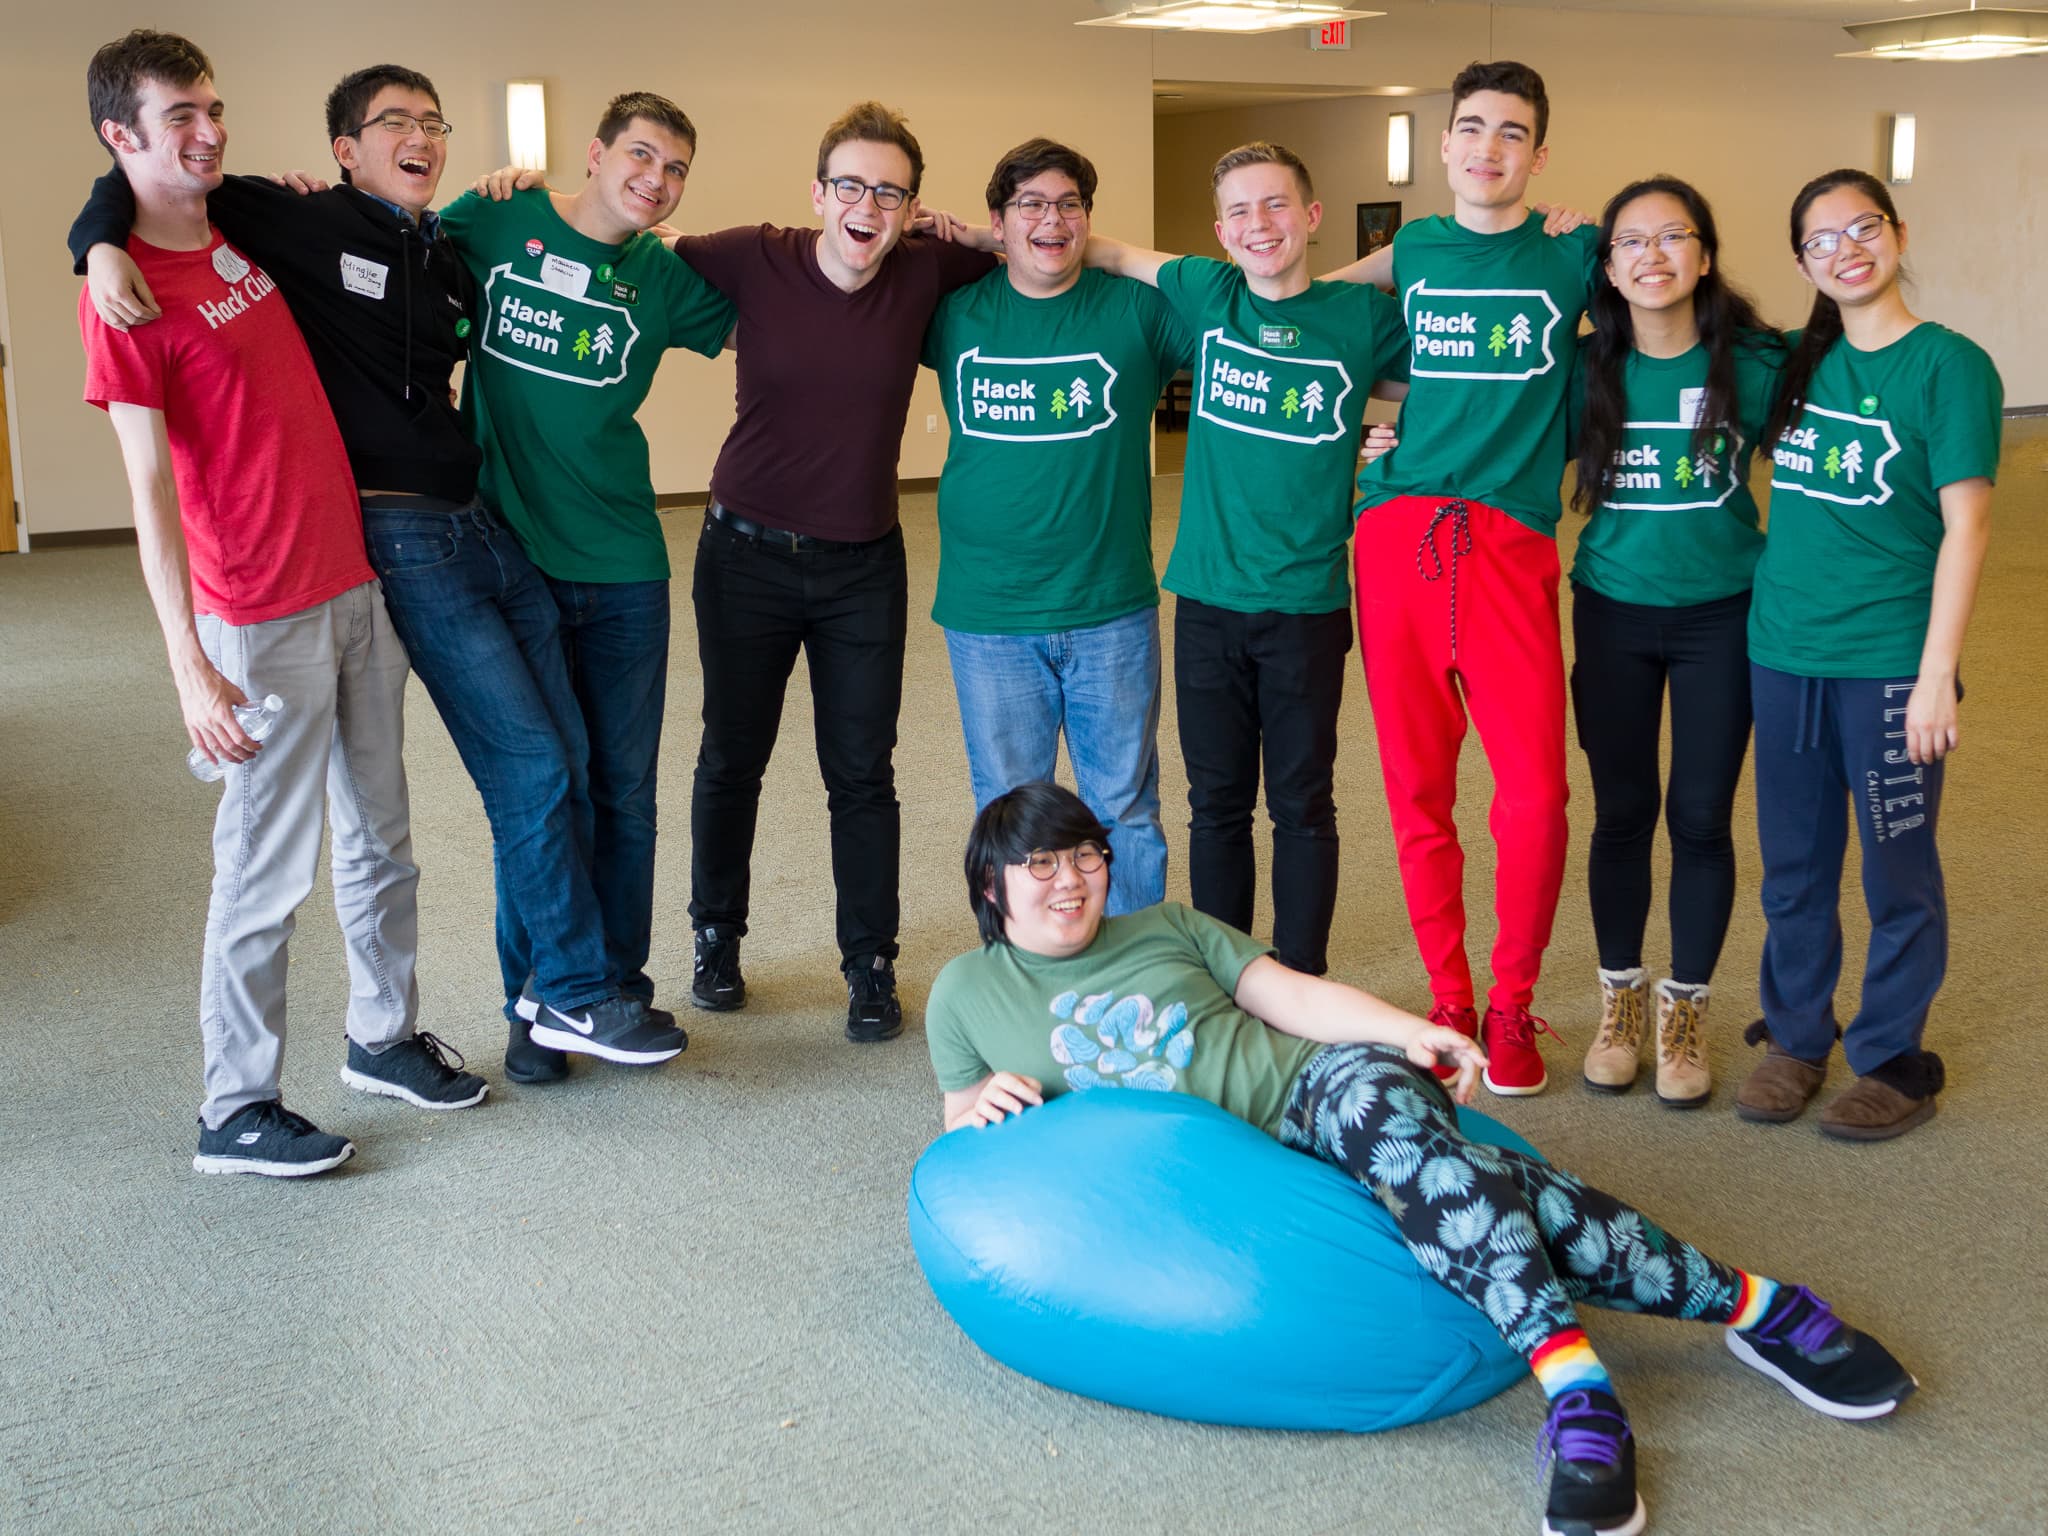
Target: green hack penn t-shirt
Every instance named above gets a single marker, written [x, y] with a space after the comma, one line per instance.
[1847, 576]
[1045, 504]
[1493, 322]
[1678, 524]
[1279, 396]
[568, 334]
[1150, 1004]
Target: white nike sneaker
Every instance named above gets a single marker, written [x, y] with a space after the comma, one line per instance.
[617, 1029]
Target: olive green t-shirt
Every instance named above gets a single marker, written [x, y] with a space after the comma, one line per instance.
[569, 331]
[1493, 322]
[1045, 503]
[1149, 1005]
[1847, 576]
[1678, 524]
[1279, 397]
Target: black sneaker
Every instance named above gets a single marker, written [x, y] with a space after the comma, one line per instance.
[718, 985]
[1593, 1475]
[269, 1139]
[873, 1013]
[526, 1062]
[616, 1029]
[416, 1070]
[1821, 1360]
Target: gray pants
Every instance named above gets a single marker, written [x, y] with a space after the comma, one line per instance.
[341, 672]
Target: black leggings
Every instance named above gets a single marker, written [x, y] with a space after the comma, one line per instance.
[1625, 652]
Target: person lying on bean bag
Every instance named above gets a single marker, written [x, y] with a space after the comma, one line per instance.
[1061, 998]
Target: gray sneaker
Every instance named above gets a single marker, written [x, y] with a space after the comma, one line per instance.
[269, 1139]
[417, 1070]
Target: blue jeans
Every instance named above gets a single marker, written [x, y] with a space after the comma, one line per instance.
[1102, 685]
[615, 640]
[481, 629]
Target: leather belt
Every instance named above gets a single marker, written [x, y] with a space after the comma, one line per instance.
[784, 538]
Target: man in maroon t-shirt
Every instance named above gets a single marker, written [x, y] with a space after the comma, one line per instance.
[801, 549]
[252, 550]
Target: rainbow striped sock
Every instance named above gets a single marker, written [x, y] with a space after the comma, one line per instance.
[1753, 1302]
[1565, 1362]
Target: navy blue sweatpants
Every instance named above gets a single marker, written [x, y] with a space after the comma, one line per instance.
[1829, 750]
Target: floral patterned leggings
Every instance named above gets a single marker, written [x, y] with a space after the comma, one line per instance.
[1521, 1240]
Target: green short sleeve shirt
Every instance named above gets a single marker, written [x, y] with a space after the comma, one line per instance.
[1847, 576]
[568, 333]
[1150, 1005]
[1279, 398]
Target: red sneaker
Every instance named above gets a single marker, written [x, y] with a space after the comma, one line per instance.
[1514, 1067]
[1454, 1016]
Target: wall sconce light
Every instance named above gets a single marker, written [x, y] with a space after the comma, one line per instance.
[1401, 149]
[1903, 138]
[526, 124]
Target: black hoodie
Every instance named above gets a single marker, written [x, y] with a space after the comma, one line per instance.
[379, 312]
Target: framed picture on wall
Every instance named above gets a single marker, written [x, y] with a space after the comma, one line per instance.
[1376, 225]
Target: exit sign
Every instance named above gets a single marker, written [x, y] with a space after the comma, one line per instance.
[1331, 34]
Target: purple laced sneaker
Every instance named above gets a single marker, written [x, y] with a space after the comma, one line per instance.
[1821, 1360]
[1591, 1449]
[1583, 1426]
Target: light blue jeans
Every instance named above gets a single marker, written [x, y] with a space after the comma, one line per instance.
[1099, 684]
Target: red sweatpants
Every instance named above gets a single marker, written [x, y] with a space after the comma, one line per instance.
[1457, 612]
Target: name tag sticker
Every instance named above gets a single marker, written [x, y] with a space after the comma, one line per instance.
[231, 268]
[563, 276]
[1692, 404]
[359, 275]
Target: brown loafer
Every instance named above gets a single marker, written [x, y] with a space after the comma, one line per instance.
[1874, 1111]
[1780, 1086]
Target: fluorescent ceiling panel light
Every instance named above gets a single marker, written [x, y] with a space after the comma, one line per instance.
[1222, 15]
[1957, 36]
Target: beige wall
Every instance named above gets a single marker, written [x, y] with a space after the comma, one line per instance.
[1748, 109]
[760, 87]
[1343, 142]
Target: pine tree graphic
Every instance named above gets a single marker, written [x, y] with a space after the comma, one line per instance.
[1683, 473]
[603, 343]
[1704, 468]
[1079, 394]
[1852, 460]
[1519, 333]
[581, 345]
[1497, 341]
[1290, 403]
[1059, 402]
[1312, 399]
[1832, 465]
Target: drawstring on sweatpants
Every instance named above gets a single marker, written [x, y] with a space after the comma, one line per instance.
[1461, 545]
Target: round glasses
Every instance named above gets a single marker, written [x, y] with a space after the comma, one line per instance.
[405, 122]
[1086, 858]
[1825, 242]
[1032, 209]
[851, 189]
[1666, 240]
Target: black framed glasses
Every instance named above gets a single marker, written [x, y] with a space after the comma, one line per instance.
[1086, 858]
[1033, 208]
[1825, 242]
[405, 122]
[1668, 241]
[851, 189]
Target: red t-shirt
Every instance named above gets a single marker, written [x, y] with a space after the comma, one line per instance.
[824, 376]
[272, 524]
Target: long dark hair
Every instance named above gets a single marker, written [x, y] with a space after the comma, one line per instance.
[1824, 322]
[1724, 314]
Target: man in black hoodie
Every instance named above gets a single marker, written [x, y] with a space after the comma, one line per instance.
[385, 308]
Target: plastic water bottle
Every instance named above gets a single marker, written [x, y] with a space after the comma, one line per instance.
[257, 721]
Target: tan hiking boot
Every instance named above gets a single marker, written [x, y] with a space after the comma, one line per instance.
[1683, 1081]
[1780, 1086]
[1612, 1059]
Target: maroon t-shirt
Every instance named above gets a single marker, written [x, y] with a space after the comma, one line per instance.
[824, 376]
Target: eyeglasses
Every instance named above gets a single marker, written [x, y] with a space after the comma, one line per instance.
[1825, 242]
[1666, 240]
[851, 189]
[405, 122]
[1033, 208]
[1086, 858]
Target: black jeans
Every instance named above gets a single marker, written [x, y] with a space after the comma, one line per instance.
[1248, 685]
[1626, 652]
[846, 606]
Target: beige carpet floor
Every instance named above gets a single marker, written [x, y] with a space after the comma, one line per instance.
[683, 1300]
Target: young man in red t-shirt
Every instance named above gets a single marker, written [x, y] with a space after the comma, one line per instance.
[252, 550]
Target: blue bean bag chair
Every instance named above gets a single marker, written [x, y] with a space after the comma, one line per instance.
[1154, 1251]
